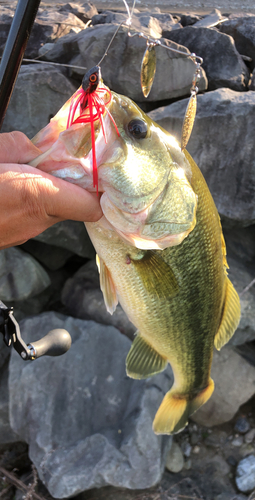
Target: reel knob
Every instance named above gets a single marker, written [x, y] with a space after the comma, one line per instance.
[55, 343]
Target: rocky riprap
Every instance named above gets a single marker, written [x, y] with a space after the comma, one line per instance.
[86, 426]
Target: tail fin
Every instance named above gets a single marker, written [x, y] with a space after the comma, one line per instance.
[175, 409]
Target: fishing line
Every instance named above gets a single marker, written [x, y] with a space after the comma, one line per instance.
[114, 35]
[54, 63]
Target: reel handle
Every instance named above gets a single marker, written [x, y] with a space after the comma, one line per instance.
[55, 343]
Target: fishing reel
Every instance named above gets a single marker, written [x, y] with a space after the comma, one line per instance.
[55, 343]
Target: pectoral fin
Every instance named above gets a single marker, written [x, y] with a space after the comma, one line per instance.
[158, 277]
[107, 286]
[230, 316]
[143, 361]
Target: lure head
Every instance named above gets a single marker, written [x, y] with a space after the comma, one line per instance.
[91, 80]
[144, 178]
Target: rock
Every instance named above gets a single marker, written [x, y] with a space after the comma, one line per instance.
[189, 19]
[228, 70]
[242, 425]
[92, 426]
[108, 17]
[7, 435]
[47, 300]
[48, 27]
[4, 352]
[15, 456]
[188, 464]
[174, 459]
[252, 83]
[174, 71]
[241, 276]
[229, 372]
[85, 12]
[6, 18]
[230, 496]
[210, 20]
[196, 449]
[240, 243]
[142, 21]
[83, 298]
[194, 438]
[39, 92]
[221, 156]
[242, 29]
[245, 474]
[232, 461]
[249, 437]
[71, 235]
[237, 441]
[51, 256]
[187, 448]
[21, 276]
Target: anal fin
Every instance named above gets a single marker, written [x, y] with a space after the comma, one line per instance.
[107, 286]
[230, 316]
[143, 361]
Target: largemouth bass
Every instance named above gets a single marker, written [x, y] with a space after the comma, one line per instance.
[160, 247]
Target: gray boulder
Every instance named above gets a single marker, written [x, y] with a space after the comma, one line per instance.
[240, 243]
[222, 63]
[229, 371]
[189, 19]
[71, 235]
[241, 276]
[222, 144]
[83, 299]
[7, 435]
[141, 21]
[242, 29]
[87, 423]
[252, 82]
[48, 27]
[210, 20]
[51, 256]
[84, 11]
[21, 276]
[174, 72]
[6, 18]
[39, 92]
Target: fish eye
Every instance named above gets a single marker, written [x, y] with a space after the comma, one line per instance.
[138, 128]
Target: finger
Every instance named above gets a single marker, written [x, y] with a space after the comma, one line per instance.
[63, 200]
[54, 199]
[15, 147]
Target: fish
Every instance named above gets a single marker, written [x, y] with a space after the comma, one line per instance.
[160, 247]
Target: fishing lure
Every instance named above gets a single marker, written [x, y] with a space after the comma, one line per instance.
[90, 103]
[191, 109]
[148, 68]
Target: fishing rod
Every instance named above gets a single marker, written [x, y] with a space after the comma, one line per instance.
[58, 341]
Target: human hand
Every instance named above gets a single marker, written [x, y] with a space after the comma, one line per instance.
[31, 200]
